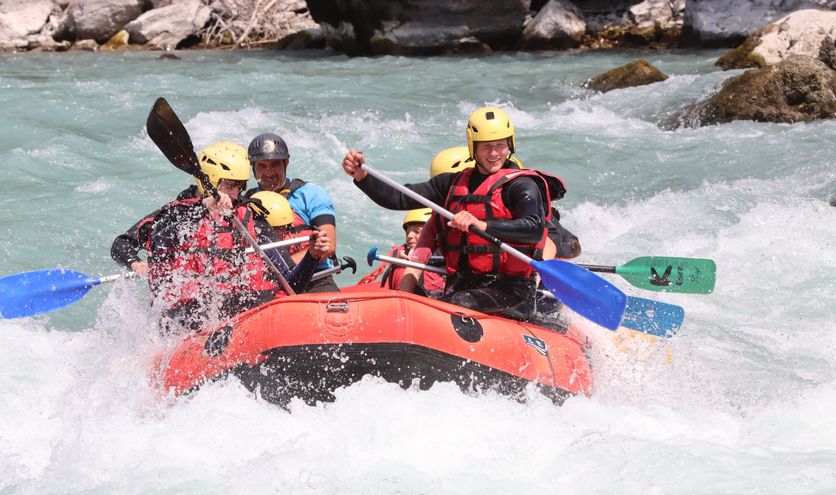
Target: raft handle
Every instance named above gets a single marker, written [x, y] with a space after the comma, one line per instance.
[337, 307]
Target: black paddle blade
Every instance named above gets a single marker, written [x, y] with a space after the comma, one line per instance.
[171, 137]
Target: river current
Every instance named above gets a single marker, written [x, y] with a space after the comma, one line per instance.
[741, 400]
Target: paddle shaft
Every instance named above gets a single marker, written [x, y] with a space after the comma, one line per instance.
[598, 268]
[445, 213]
[411, 264]
[271, 245]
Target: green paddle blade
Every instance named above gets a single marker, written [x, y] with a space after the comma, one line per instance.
[668, 274]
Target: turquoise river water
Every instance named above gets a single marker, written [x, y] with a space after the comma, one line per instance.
[741, 400]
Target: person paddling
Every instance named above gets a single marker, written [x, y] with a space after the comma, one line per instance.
[312, 206]
[425, 283]
[197, 268]
[495, 196]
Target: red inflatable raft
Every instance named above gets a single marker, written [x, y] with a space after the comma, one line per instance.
[308, 345]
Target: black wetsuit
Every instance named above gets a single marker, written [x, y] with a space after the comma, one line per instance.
[509, 296]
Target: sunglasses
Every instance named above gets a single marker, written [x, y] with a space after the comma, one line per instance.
[237, 184]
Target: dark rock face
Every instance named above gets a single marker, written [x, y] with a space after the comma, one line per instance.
[827, 52]
[636, 73]
[799, 89]
[419, 27]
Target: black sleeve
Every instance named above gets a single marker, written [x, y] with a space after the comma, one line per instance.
[126, 247]
[434, 189]
[526, 204]
[302, 273]
[323, 220]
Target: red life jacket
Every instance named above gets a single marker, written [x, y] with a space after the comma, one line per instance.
[465, 251]
[429, 281]
[211, 259]
[298, 228]
[394, 274]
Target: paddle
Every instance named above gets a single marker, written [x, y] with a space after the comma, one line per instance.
[663, 273]
[40, 291]
[171, 137]
[348, 262]
[581, 290]
[643, 315]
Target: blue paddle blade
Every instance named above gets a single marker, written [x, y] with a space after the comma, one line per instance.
[41, 291]
[652, 317]
[371, 255]
[583, 292]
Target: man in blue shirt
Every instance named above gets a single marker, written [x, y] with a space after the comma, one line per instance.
[311, 204]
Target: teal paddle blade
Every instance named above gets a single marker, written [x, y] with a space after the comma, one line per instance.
[664, 273]
[41, 291]
[583, 292]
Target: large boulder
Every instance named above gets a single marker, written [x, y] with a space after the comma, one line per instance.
[166, 27]
[97, 19]
[797, 89]
[729, 22]
[801, 33]
[559, 24]
[636, 73]
[19, 20]
[419, 26]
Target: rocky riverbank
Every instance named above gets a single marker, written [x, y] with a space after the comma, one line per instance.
[788, 43]
[417, 27]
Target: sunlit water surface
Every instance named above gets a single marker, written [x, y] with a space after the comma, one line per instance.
[740, 401]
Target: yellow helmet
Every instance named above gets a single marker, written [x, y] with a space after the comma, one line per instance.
[489, 124]
[278, 212]
[450, 161]
[223, 160]
[420, 215]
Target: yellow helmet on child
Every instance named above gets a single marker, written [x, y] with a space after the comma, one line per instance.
[489, 124]
[419, 215]
[450, 161]
[276, 209]
[223, 160]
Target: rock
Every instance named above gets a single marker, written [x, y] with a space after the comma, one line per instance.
[45, 43]
[419, 26]
[559, 24]
[118, 42]
[19, 20]
[86, 45]
[833, 201]
[653, 23]
[636, 73]
[715, 23]
[97, 19]
[797, 89]
[827, 52]
[799, 33]
[168, 56]
[166, 27]
[307, 38]
[658, 14]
